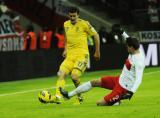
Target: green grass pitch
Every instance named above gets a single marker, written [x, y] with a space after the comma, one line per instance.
[18, 99]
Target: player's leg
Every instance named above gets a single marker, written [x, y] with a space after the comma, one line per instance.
[102, 102]
[81, 89]
[75, 77]
[110, 99]
[107, 82]
[115, 95]
[104, 82]
[79, 67]
[60, 82]
[76, 80]
[64, 70]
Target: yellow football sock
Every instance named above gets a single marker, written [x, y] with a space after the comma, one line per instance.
[60, 83]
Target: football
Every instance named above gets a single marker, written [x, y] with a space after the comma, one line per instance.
[44, 96]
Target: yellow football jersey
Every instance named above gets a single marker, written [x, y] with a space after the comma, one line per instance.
[77, 36]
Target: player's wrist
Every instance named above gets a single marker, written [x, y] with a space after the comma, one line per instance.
[97, 50]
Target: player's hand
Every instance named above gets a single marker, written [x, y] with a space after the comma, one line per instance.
[128, 95]
[117, 29]
[64, 53]
[97, 55]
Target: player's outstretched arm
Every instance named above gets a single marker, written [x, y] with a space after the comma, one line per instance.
[116, 28]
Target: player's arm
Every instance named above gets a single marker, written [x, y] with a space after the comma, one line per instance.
[118, 30]
[65, 43]
[97, 46]
[138, 75]
[91, 31]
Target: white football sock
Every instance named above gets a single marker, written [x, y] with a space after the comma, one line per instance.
[80, 89]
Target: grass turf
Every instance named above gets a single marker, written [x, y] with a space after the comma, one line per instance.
[18, 99]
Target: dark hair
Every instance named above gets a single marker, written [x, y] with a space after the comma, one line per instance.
[73, 10]
[132, 42]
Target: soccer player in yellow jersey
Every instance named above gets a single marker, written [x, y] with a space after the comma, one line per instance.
[76, 49]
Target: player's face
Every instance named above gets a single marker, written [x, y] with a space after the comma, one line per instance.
[73, 17]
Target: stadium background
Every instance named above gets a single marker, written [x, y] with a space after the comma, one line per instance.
[17, 64]
[139, 18]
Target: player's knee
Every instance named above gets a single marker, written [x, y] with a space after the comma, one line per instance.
[61, 74]
[98, 103]
[74, 78]
[102, 103]
[63, 71]
[96, 83]
[75, 74]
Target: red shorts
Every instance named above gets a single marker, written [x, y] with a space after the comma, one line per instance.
[112, 83]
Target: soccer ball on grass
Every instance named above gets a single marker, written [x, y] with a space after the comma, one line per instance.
[44, 96]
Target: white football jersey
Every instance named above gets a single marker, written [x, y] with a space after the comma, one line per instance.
[131, 76]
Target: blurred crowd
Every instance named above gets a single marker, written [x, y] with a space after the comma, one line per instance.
[144, 14]
[46, 38]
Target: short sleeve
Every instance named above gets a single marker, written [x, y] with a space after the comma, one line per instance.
[89, 29]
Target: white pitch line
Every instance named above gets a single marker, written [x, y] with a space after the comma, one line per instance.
[149, 73]
[28, 91]
[33, 90]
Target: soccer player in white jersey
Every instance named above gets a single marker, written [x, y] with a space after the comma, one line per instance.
[123, 86]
